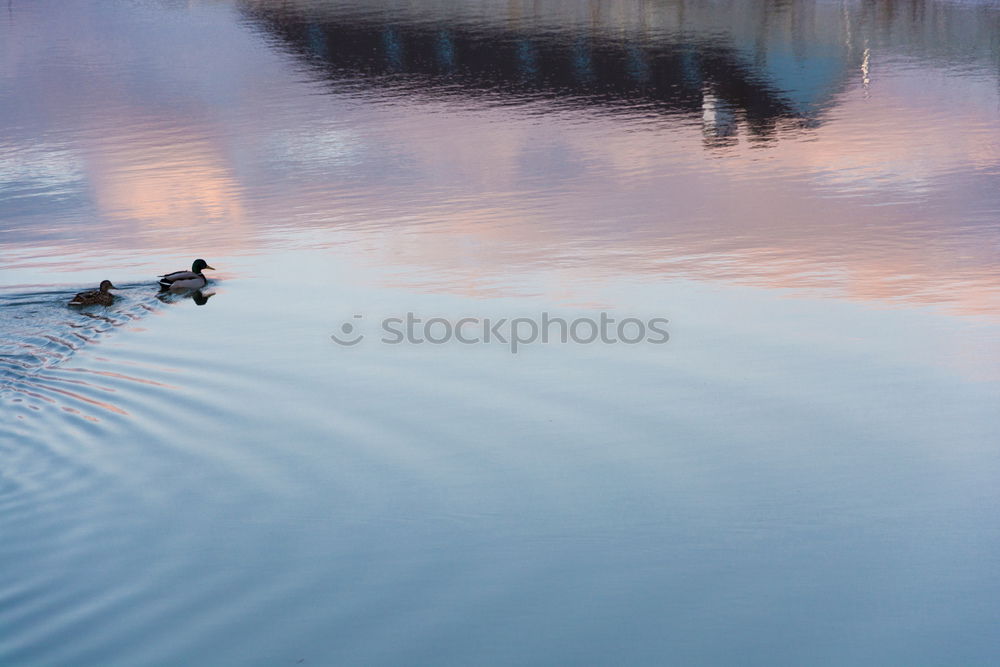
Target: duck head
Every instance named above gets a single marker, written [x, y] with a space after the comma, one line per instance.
[106, 285]
[200, 265]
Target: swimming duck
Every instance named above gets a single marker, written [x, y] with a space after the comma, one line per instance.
[100, 296]
[193, 279]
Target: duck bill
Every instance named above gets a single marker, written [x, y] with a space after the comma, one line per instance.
[210, 267]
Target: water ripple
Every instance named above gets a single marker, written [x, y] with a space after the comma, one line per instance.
[41, 336]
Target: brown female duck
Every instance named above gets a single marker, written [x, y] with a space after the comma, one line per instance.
[100, 296]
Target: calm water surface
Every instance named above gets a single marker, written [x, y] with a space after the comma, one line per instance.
[805, 474]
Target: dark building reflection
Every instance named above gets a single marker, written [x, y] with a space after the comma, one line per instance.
[725, 79]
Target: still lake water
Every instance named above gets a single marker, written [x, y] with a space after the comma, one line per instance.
[804, 474]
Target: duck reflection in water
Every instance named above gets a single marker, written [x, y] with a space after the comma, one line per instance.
[199, 297]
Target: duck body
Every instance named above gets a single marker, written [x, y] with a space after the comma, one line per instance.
[186, 280]
[98, 297]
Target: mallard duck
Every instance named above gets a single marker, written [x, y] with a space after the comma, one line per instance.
[100, 296]
[193, 279]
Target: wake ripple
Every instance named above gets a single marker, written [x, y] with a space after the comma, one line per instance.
[40, 334]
